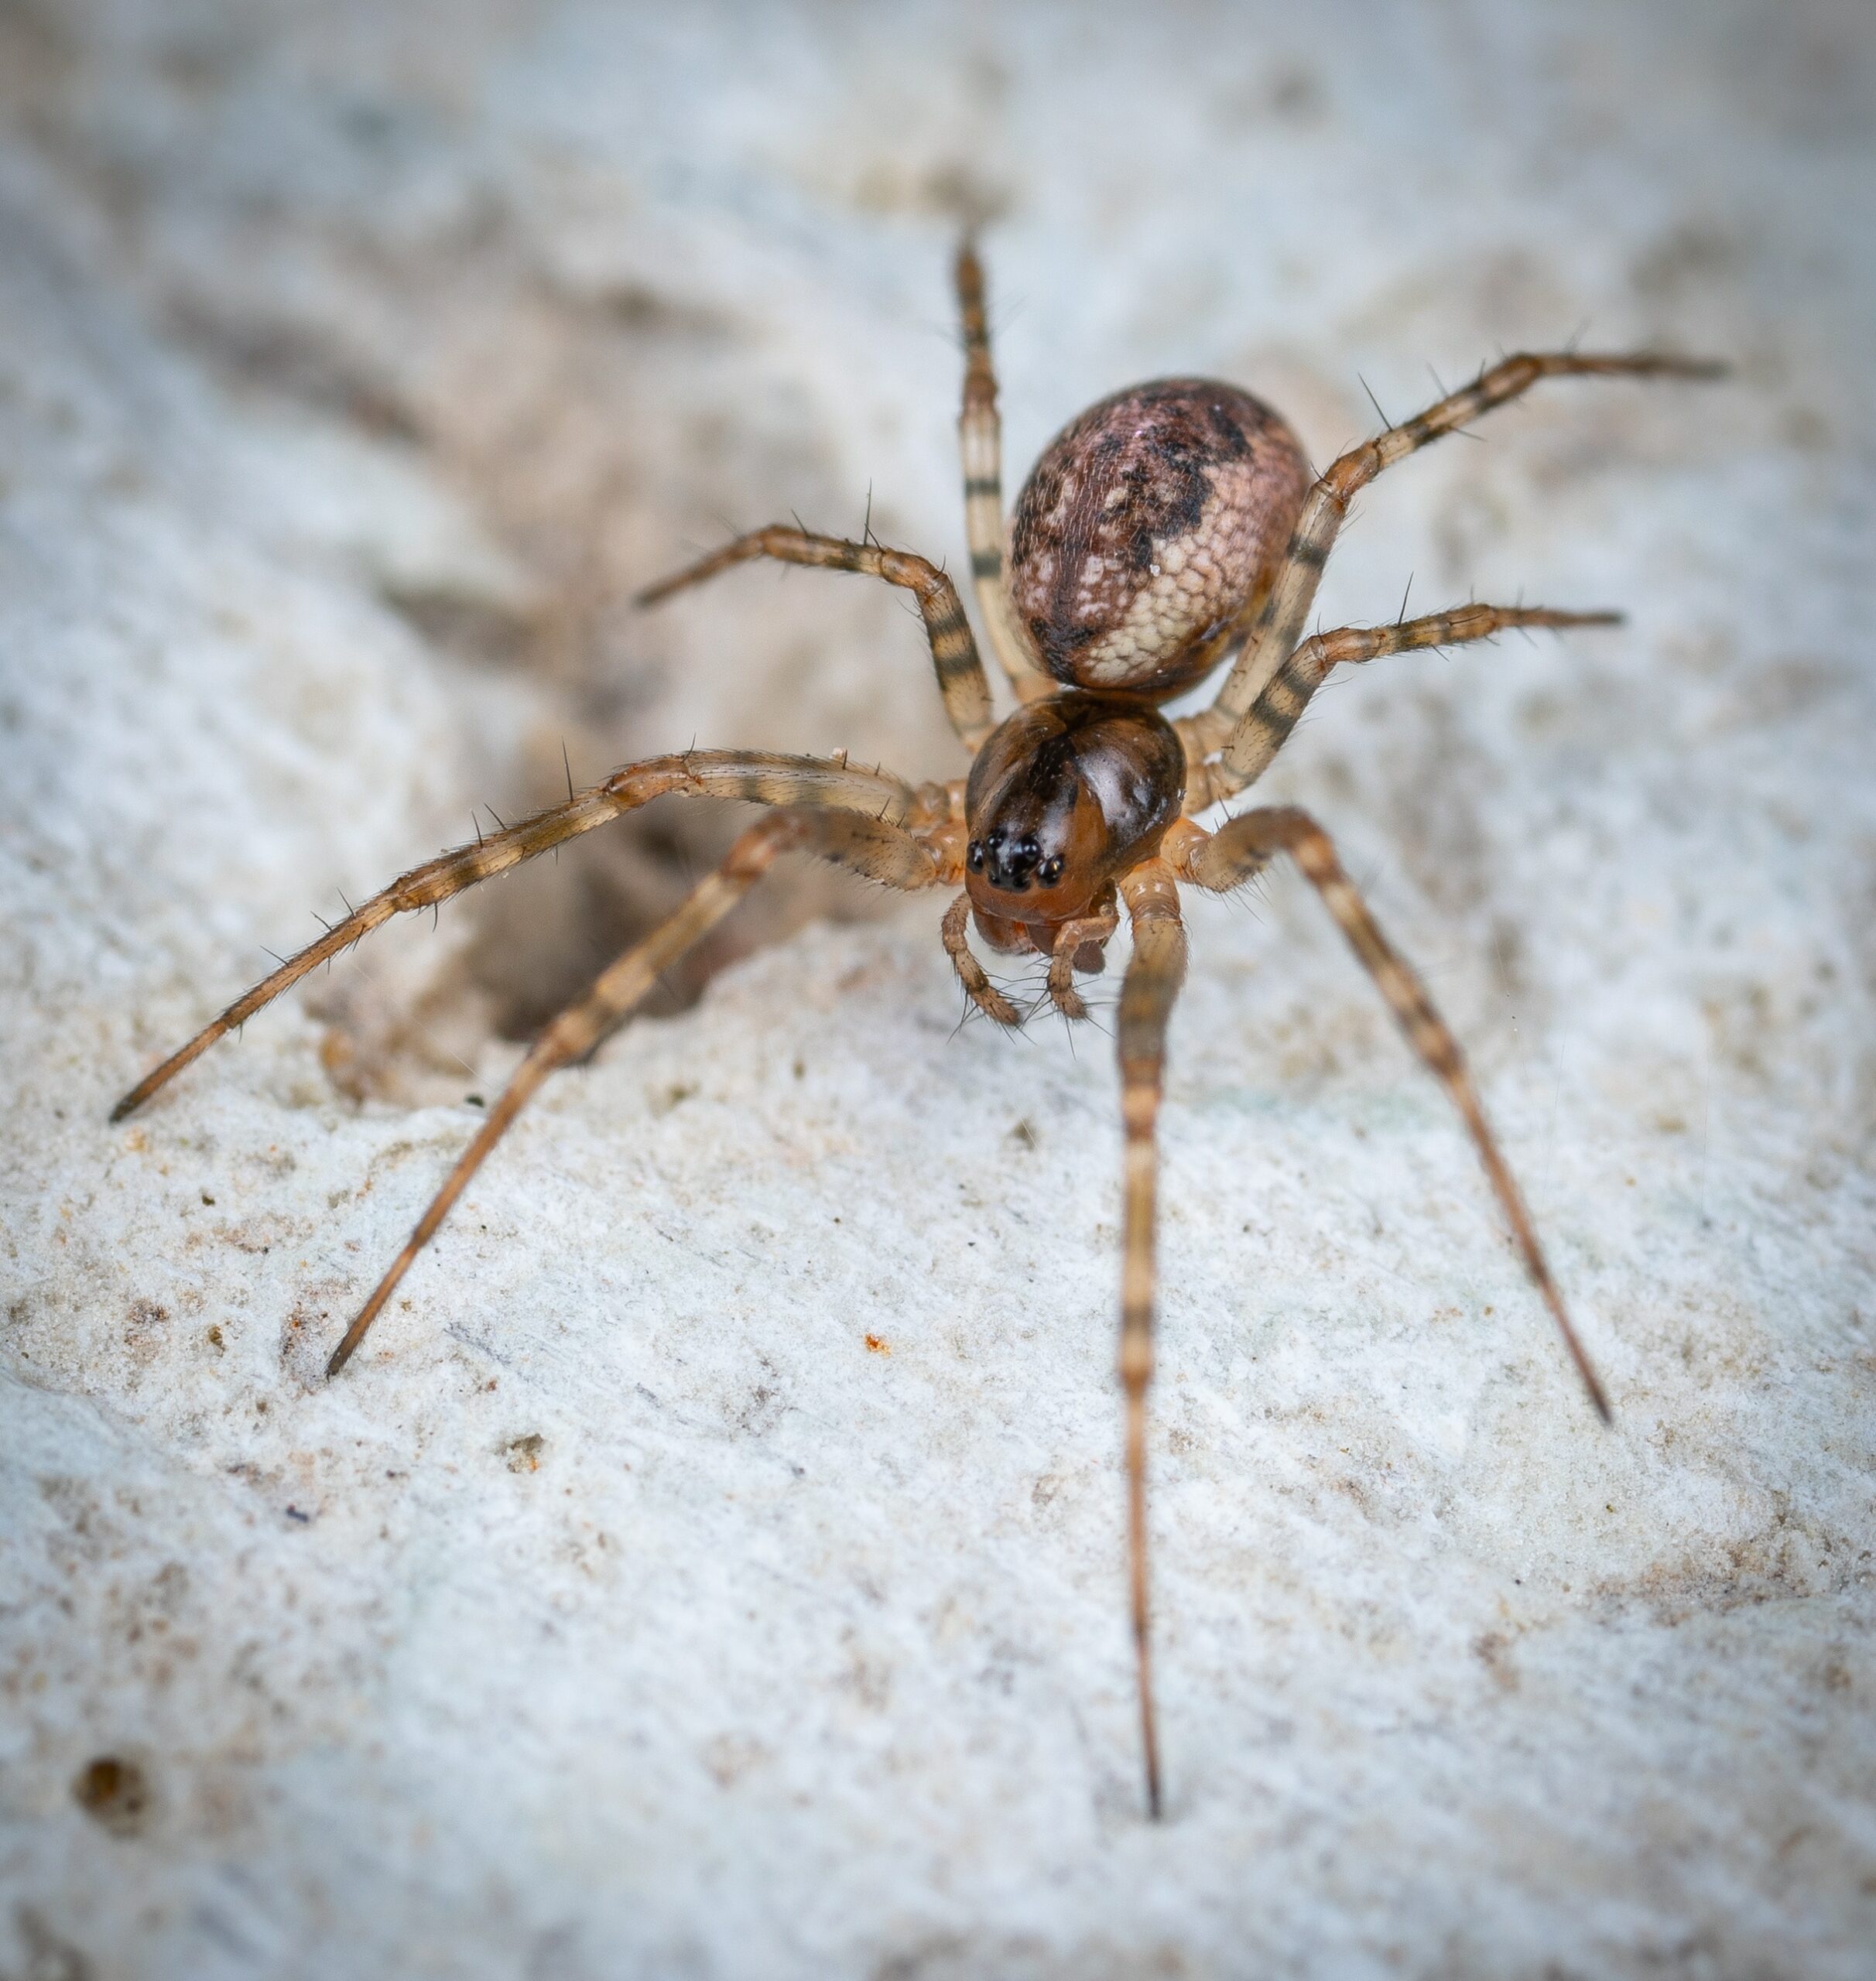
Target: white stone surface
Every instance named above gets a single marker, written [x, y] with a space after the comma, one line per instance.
[777, 1654]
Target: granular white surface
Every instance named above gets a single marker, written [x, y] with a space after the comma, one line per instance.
[712, 1567]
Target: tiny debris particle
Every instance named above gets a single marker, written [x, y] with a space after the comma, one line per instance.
[305, 1519]
[114, 1793]
[524, 1453]
[877, 1345]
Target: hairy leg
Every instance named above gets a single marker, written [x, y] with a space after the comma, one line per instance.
[763, 776]
[1078, 947]
[1251, 742]
[1288, 605]
[1154, 974]
[961, 680]
[867, 846]
[955, 932]
[1246, 844]
[980, 441]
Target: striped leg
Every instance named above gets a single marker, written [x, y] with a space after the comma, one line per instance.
[1078, 947]
[961, 679]
[1248, 843]
[1250, 744]
[954, 931]
[760, 775]
[867, 846]
[1154, 974]
[1294, 592]
[979, 442]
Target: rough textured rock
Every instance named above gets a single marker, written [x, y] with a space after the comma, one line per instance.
[714, 1566]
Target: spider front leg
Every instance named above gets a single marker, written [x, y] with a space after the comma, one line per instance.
[1249, 743]
[961, 680]
[1078, 945]
[866, 846]
[1284, 611]
[1154, 973]
[763, 776]
[1244, 845]
[980, 442]
[954, 931]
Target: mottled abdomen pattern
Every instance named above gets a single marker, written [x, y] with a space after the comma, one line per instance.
[1149, 526]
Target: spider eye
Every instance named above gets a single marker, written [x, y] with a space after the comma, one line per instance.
[1051, 870]
[973, 855]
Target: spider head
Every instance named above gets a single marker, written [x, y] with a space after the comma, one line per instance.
[1010, 856]
[1063, 796]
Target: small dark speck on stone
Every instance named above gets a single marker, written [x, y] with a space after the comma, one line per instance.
[305, 1519]
[114, 1793]
[474, 1100]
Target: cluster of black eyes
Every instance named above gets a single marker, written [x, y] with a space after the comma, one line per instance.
[1011, 863]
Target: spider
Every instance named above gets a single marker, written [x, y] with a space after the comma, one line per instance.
[1170, 528]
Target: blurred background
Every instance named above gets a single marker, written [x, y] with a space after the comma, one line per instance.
[618, 281]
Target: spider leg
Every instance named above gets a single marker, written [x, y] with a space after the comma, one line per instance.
[980, 442]
[961, 679]
[1247, 844]
[1291, 596]
[954, 932]
[1251, 742]
[1154, 974]
[763, 776]
[870, 846]
[1078, 947]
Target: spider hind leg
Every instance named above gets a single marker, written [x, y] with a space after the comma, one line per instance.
[871, 847]
[1242, 847]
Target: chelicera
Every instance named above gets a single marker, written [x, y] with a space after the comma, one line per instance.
[1169, 529]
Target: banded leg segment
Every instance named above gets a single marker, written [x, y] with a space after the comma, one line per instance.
[763, 776]
[1078, 945]
[955, 933]
[961, 679]
[1244, 847]
[979, 442]
[1249, 744]
[1154, 973]
[1294, 591]
[869, 847]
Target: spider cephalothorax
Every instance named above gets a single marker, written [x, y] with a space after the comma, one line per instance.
[1066, 796]
[1166, 529]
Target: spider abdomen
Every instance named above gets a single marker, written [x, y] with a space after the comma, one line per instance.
[1150, 526]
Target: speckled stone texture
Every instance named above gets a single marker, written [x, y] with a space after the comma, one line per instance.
[713, 1568]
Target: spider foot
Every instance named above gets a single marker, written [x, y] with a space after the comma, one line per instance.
[1080, 948]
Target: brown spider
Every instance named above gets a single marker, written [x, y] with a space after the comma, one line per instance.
[1167, 528]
